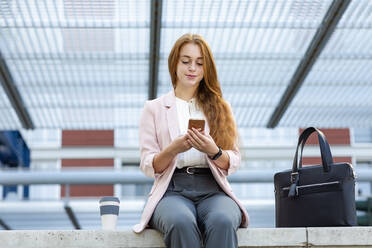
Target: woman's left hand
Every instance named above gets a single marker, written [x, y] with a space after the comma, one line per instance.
[202, 141]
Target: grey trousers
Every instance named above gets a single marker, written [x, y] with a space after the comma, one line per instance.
[195, 212]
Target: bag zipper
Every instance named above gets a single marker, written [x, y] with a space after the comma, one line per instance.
[313, 185]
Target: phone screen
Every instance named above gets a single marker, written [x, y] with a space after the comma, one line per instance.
[197, 124]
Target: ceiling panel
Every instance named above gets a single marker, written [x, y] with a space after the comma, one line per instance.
[9, 119]
[338, 90]
[82, 64]
[78, 64]
[257, 46]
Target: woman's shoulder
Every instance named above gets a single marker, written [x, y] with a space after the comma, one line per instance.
[161, 100]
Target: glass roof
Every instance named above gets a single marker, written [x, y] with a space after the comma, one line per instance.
[257, 46]
[78, 64]
[81, 64]
[9, 119]
[338, 90]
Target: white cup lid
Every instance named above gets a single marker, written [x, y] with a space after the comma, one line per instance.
[109, 198]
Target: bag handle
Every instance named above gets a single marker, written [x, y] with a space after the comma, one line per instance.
[325, 152]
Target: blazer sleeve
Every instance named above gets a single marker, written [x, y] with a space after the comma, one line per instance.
[234, 156]
[234, 160]
[148, 142]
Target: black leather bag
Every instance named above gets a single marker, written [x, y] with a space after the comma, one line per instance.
[317, 195]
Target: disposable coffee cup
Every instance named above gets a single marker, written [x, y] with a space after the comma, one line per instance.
[109, 210]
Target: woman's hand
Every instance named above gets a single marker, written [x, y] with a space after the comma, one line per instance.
[201, 141]
[163, 159]
[180, 144]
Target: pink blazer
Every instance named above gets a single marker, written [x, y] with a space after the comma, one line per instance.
[158, 127]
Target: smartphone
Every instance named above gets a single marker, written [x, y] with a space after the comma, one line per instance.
[197, 124]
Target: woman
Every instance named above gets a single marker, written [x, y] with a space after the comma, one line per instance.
[191, 201]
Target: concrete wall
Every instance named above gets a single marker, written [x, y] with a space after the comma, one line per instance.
[252, 237]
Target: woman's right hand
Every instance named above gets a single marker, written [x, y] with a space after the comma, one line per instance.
[180, 144]
[162, 160]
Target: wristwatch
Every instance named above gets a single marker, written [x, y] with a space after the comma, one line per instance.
[217, 155]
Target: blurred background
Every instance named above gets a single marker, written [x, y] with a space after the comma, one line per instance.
[75, 75]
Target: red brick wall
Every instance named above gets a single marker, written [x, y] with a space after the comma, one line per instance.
[84, 138]
[84, 162]
[317, 160]
[89, 190]
[87, 138]
[340, 136]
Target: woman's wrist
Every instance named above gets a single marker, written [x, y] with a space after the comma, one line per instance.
[214, 153]
[172, 151]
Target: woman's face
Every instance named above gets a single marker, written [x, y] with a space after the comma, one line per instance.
[190, 66]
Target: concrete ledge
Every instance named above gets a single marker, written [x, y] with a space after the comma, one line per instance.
[251, 237]
[334, 236]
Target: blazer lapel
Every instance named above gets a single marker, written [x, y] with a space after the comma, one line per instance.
[172, 118]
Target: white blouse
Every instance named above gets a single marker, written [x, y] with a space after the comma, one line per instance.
[189, 110]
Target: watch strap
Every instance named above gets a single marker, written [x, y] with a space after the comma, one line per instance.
[217, 155]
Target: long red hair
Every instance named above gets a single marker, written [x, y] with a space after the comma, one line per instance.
[209, 95]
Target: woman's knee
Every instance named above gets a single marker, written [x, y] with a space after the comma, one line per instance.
[178, 221]
[220, 221]
[182, 223]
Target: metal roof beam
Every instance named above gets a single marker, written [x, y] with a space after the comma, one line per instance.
[218, 24]
[129, 57]
[4, 225]
[156, 11]
[321, 37]
[14, 96]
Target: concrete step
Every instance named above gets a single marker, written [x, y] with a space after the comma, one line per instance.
[251, 237]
